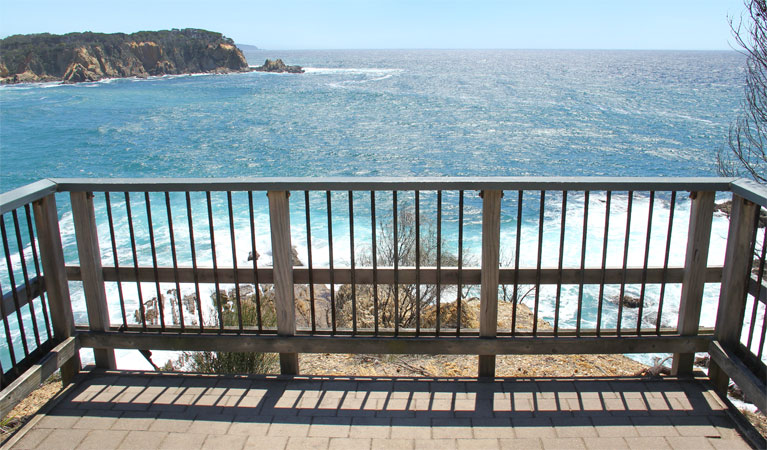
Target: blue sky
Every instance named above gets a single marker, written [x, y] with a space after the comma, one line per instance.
[346, 24]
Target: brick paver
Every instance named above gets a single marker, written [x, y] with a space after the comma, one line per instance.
[109, 410]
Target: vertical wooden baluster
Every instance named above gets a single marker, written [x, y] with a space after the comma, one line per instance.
[25, 275]
[190, 220]
[54, 271]
[562, 221]
[131, 232]
[516, 264]
[174, 256]
[116, 259]
[644, 265]
[460, 265]
[352, 262]
[310, 263]
[234, 261]
[491, 240]
[418, 263]
[626, 241]
[212, 232]
[735, 280]
[374, 247]
[605, 241]
[89, 252]
[583, 262]
[37, 270]
[439, 263]
[284, 299]
[662, 294]
[759, 278]
[395, 244]
[153, 246]
[254, 254]
[693, 281]
[538, 263]
[334, 324]
[15, 295]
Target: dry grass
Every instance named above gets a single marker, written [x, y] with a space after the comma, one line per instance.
[30, 405]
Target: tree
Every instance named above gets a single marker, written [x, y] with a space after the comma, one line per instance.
[745, 153]
[410, 297]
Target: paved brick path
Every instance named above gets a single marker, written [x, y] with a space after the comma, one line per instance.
[122, 410]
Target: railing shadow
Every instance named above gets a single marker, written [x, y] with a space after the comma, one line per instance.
[607, 405]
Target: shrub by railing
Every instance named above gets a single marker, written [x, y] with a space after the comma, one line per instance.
[401, 269]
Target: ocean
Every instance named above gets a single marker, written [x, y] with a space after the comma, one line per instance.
[392, 113]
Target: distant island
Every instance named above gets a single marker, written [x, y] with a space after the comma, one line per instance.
[78, 57]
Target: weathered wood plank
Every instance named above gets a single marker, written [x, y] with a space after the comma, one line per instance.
[35, 288]
[735, 280]
[750, 190]
[698, 242]
[488, 300]
[54, 271]
[392, 345]
[284, 300]
[394, 183]
[404, 332]
[406, 275]
[752, 386]
[25, 194]
[37, 374]
[89, 252]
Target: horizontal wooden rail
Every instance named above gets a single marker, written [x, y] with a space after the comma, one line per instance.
[750, 190]
[405, 275]
[699, 184]
[730, 363]
[35, 289]
[402, 332]
[25, 195]
[392, 345]
[37, 374]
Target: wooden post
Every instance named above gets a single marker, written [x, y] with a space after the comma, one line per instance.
[90, 266]
[735, 278]
[284, 300]
[56, 285]
[694, 278]
[488, 300]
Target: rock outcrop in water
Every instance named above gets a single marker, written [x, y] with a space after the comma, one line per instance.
[78, 57]
[279, 67]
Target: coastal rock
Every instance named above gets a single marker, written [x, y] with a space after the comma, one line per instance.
[277, 66]
[628, 300]
[79, 57]
[726, 209]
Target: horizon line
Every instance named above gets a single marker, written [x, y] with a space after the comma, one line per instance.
[495, 48]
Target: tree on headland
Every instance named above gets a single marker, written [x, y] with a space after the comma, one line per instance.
[745, 154]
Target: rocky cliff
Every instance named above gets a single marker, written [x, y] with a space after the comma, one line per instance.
[77, 57]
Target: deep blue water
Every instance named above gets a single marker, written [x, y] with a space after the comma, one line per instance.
[390, 113]
[386, 113]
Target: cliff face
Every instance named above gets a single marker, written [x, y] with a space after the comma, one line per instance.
[77, 57]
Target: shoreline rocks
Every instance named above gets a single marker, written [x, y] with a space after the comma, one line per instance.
[278, 66]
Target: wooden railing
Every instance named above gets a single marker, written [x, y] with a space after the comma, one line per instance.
[404, 256]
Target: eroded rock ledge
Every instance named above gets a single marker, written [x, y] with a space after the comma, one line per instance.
[78, 57]
[278, 66]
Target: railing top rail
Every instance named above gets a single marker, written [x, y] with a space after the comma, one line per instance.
[394, 183]
[25, 194]
[750, 190]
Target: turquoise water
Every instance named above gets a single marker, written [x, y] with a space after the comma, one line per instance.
[390, 113]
